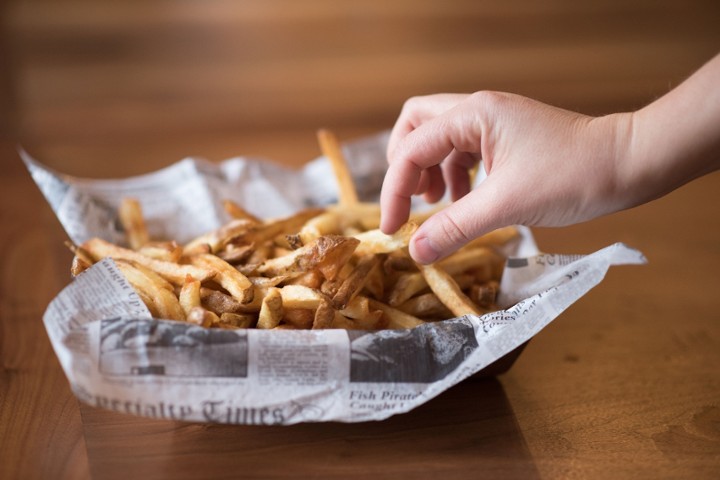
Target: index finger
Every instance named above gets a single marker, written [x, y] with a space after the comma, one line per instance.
[424, 147]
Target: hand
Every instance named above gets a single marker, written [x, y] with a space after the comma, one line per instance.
[545, 167]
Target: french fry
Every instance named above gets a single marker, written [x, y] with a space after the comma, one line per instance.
[426, 305]
[212, 242]
[355, 281]
[173, 272]
[324, 316]
[237, 320]
[189, 295]
[271, 311]
[131, 218]
[162, 300]
[396, 319]
[298, 318]
[231, 280]
[301, 297]
[166, 251]
[443, 285]
[374, 241]
[237, 212]
[82, 260]
[327, 254]
[200, 316]
[331, 149]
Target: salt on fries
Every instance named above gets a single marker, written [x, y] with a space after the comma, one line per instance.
[319, 268]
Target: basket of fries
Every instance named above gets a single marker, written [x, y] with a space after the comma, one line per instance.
[311, 316]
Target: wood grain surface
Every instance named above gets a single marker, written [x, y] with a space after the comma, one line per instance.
[624, 384]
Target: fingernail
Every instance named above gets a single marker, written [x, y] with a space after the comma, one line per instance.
[423, 251]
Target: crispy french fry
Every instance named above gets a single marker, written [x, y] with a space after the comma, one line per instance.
[131, 218]
[173, 272]
[301, 297]
[271, 311]
[163, 301]
[324, 316]
[298, 318]
[231, 280]
[443, 285]
[427, 305]
[355, 281]
[82, 260]
[327, 254]
[166, 251]
[190, 295]
[484, 295]
[212, 242]
[331, 149]
[202, 317]
[406, 286]
[374, 241]
[396, 319]
[237, 212]
[237, 320]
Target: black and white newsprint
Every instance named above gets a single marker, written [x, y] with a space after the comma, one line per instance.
[119, 358]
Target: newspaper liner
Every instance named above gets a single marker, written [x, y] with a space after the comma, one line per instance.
[117, 357]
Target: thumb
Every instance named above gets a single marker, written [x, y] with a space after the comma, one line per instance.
[466, 219]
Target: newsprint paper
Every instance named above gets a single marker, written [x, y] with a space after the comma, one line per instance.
[117, 357]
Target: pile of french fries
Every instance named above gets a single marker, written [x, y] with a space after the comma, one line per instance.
[320, 268]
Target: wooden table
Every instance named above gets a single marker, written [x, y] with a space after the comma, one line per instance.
[625, 384]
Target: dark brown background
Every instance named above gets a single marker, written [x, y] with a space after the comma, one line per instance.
[625, 384]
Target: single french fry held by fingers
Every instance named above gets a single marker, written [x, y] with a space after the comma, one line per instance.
[375, 241]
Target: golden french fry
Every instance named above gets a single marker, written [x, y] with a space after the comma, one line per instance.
[396, 319]
[237, 212]
[355, 281]
[237, 320]
[427, 305]
[271, 311]
[406, 286]
[166, 251]
[173, 272]
[374, 241]
[82, 260]
[331, 149]
[327, 254]
[190, 295]
[231, 280]
[298, 318]
[234, 254]
[212, 242]
[484, 295]
[301, 297]
[131, 218]
[202, 317]
[443, 285]
[324, 316]
[163, 301]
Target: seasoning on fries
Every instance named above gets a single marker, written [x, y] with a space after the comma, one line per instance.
[319, 268]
